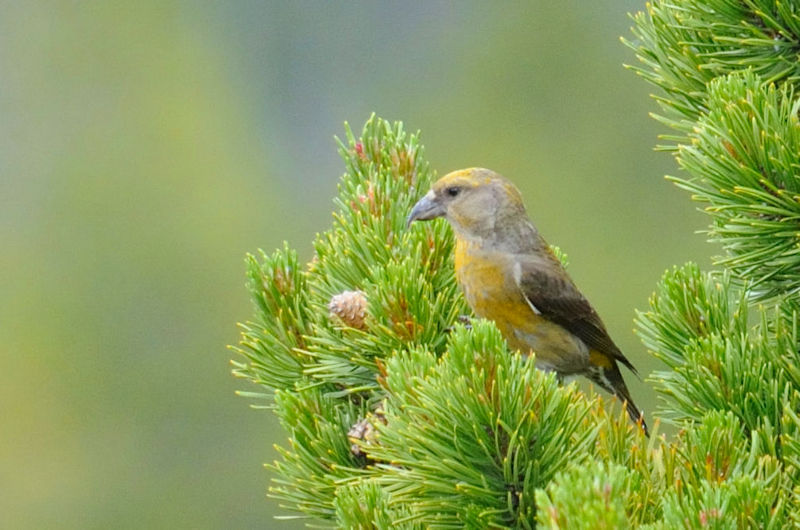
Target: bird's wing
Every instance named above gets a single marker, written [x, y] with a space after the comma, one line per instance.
[550, 293]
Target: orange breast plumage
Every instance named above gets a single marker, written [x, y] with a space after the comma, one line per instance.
[487, 281]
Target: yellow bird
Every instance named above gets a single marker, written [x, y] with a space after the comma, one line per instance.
[509, 275]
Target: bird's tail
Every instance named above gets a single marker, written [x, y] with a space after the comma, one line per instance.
[610, 379]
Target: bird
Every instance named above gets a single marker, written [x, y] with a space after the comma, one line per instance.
[509, 275]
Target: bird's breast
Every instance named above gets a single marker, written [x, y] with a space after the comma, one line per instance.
[484, 279]
[487, 281]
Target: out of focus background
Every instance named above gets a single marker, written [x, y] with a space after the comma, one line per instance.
[146, 146]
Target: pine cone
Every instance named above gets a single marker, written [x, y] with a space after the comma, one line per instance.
[350, 307]
[364, 432]
[361, 432]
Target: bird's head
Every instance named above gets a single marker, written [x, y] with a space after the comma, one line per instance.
[475, 201]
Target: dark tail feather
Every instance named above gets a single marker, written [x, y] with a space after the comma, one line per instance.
[636, 415]
[611, 380]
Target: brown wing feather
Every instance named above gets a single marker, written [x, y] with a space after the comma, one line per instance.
[547, 286]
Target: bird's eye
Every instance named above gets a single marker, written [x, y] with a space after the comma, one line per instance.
[453, 191]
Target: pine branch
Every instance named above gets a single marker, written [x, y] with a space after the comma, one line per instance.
[589, 497]
[744, 156]
[728, 71]
[684, 44]
[396, 414]
[470, 436]
[698, 325]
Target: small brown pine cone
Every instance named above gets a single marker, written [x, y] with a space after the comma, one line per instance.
[361, 432]
[350, 307]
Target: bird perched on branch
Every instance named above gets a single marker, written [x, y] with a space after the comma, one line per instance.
[509, 275]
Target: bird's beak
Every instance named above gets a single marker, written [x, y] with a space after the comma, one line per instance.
[427, 208]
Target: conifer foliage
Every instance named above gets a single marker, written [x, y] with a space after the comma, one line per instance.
[401, 413]
[729, 71]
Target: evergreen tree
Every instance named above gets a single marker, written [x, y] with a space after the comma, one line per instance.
[401, 414]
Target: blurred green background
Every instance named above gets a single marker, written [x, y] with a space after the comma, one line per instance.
[146, 146]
